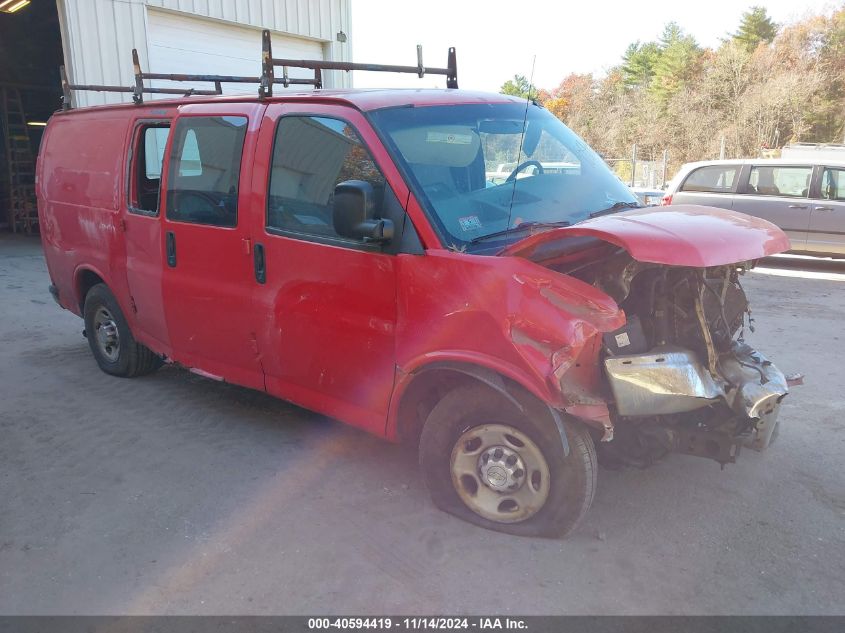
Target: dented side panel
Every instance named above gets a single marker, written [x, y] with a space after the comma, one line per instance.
[508, 314]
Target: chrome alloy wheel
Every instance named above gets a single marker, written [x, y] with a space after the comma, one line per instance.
[500, 473]
[106, 335]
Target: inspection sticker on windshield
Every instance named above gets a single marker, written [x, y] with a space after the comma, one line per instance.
[622, 340]
[469, 223]
[448, 137]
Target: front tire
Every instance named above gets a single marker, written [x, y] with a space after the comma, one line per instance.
[489, 463]
[112, 344]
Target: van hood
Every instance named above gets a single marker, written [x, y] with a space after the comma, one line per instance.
[678, 235]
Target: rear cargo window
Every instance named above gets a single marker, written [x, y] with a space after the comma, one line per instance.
[205, 165]
[147, 158]
[712, 179]
[311, 156]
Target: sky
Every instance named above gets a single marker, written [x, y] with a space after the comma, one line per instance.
[496, 39]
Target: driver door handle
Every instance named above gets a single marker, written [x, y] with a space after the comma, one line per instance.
[260, 263]
[170, 245]
[822, 208]
[797, 206]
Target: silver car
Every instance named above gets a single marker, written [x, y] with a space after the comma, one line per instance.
[805, 198]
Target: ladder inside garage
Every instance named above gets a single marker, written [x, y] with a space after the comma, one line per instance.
[21, 207]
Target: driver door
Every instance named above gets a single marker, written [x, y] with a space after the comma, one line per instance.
[207, 277]
[325, 305]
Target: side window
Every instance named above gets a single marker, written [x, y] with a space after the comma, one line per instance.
[711, 179]
[311, 156]
[145, 172]
[833, 184]
[767, 180]
[205, 165]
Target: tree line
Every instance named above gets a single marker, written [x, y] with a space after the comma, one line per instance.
[764, 86]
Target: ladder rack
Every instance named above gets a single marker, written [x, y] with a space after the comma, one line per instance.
[266, 81]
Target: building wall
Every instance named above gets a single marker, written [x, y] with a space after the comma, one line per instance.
[99, 35]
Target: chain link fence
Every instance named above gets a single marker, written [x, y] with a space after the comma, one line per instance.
[646, 171]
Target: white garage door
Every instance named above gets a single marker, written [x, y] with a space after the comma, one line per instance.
[189, 45]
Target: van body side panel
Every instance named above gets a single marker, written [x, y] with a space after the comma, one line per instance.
[505, 314]
[80, 174]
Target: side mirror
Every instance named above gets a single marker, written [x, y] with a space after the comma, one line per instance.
[353, 213]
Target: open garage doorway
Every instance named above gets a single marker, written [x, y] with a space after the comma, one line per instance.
[30, 91]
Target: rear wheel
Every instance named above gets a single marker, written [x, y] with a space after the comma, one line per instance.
[112, 344]
[493, 465]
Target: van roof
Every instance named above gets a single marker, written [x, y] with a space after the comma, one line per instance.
[362, 99]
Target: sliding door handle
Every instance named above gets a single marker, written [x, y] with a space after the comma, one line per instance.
[170, 245]
[260, 263]
[797, 206]
[822, 208]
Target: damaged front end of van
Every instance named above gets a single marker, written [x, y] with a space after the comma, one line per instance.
[678, 376]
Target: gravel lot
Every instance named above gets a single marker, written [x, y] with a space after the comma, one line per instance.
[176, 494]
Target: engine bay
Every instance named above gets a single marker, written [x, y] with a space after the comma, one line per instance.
[679, 374]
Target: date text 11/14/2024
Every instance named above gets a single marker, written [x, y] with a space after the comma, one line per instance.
[417, 623]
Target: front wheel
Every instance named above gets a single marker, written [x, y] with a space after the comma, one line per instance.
[112, 344]
[493, 465]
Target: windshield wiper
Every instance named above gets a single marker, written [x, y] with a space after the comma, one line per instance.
[616, 206]
[522, 226]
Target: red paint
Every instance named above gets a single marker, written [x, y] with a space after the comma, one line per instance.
[341, 331]
[208, 295]
[682, 235]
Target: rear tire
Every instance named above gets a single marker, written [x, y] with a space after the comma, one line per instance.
[489, 463]
[112, 344]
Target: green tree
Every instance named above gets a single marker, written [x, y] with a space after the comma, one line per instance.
[638, 63]
[519, 86]
[677, 63]
[756, 28]
[672, 32]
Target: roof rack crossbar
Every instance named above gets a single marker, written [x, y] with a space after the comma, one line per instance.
[265, 81]
[347, 66]
[226, 79]
[269, 63]
[166, 91]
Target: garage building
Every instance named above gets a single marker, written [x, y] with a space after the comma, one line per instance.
[93, 39]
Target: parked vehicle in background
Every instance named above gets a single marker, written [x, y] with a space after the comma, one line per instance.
[649, 197]
[346, 251]
[806, 198]
[815, 152]
[504, 171]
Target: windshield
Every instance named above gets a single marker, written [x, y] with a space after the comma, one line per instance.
[488, 172]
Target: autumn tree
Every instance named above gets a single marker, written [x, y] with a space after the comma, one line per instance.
[571, 96]
[670, 94]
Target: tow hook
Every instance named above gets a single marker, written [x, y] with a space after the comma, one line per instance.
[794, 380]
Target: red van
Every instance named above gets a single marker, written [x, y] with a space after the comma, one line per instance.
[355, 253]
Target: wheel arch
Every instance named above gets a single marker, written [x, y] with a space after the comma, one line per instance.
[419, 390]
[85, 278]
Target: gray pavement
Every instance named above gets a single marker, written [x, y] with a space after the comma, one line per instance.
[175, 494]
